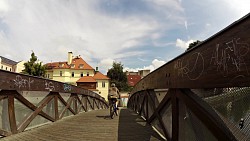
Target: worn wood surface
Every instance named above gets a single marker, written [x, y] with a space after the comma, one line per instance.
[92, 126]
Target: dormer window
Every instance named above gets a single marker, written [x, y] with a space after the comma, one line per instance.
[61, 65]
[81, 66]
[72, 65]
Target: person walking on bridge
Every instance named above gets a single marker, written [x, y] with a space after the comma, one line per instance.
[114, 94]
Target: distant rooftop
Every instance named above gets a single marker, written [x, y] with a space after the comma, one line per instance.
[77, 64]
[133, 79]
[8, 61]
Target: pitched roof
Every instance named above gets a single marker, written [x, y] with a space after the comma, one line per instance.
[133, 79]
[78, 61]
[86, 79]
[99, 76]
[77, 64]
[58, 65]
[8, 61]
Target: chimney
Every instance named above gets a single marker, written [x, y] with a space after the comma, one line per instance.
[96, 70]
[70, 56]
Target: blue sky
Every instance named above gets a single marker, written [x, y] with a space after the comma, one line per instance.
[141, 34]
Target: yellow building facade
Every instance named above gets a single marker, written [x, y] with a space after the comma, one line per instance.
[10, 65]
[75, 68]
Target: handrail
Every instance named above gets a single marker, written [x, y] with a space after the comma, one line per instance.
[28, 101]
[220, 62]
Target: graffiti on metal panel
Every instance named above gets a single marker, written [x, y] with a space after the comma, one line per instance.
[49, 86]
[230, 57]
[193, 70]
[22, 83]
[67, 87]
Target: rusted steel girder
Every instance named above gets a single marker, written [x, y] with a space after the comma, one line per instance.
[11, 83]
[223, 60]
[21, 82]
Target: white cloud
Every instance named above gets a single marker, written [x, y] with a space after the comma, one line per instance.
[172, 4]
[105, 64]
[162, 44]
[3, 7]
[130, 43]
[52, 28]
[157, 42]
[183, 44]
[155, 64]
[75, 26]
[155, 36]
[186, 25]
[239, 6]
[208, 25]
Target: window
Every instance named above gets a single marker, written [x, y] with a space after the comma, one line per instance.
[10, 69]
[81, 74]
[72, 65]
[87, 73]
[60, 73]
[97, 85]
[2, 66]
[73, 74]
[103, 84]
[6, 68]
[48, 75]
[61, 65]
[81, 66]
[45, 75]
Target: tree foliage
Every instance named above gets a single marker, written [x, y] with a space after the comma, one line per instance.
[191, 45]
[33, 67]
[118, 77]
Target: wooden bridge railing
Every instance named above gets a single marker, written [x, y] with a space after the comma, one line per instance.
[202, 94]
[27, 101]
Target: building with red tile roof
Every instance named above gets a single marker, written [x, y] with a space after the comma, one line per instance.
[10, 65]
[100, 76]
[86, 79]
[133, 79]
[87, 82]
[78, 72]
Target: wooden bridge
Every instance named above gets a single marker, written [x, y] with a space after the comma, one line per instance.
[203, 94]
[92, 126]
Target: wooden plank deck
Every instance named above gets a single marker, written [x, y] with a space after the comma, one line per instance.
[92, 126]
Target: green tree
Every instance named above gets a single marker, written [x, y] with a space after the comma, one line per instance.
[191, 45]
[118, 77]
[33, 67]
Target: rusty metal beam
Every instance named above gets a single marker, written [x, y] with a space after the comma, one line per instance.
[32, 106]
[5, 133]
[221, 61]
[12, 117]
[67, 107]
[56, 107]
[206, 114]
[21, 82]
[92, 106]
[175, 115]
[11, 82]
[28, 120]
[81, 104]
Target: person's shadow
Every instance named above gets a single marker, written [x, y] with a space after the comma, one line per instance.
[104, 117]
[133, 127]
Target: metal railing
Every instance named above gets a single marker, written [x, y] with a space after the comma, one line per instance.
[27, 102]
[202, 94]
